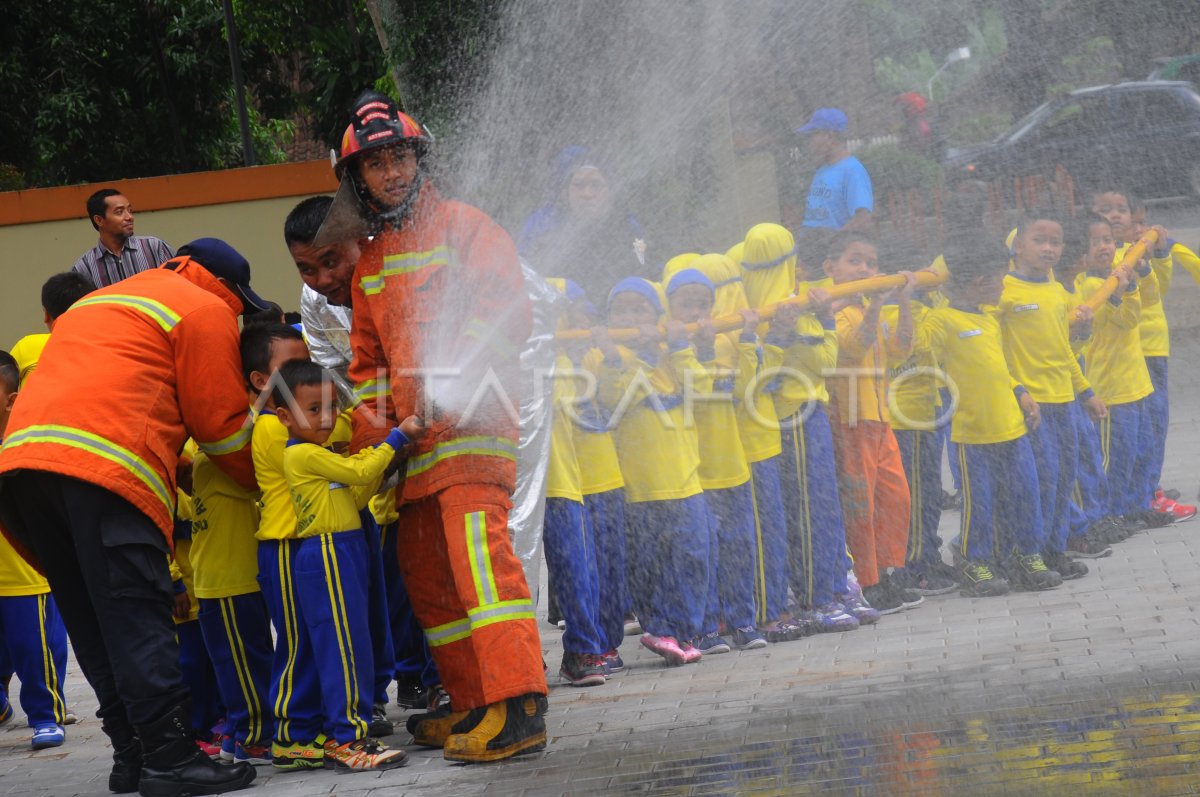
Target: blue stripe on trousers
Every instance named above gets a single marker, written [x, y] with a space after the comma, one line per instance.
[731, 559]
[571, 557]
[295, 696]
[813, 508]
[670, 569]
[606, 517]
[237, 635]
[921, 454]
[378, 616]
[33, 642]
[409, 646]
[332, 585]
[1055, 451]
[1001, 508]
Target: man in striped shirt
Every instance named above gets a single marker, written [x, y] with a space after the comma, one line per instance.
[120, 253]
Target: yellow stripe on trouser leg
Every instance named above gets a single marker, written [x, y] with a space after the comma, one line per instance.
[341, 626]
[287, 601]
[475, 524]
[965, 512]
[799, 447]
[241, 666]
[760, 574]
[49, 670]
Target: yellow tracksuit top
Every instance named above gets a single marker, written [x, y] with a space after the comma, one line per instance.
[563, 476]
[1156, 338]
[27, 351]
[806, 355]
[277, 518]
[723, 462]
[595, 449]
[869, 361]
[17, 578]
[757, 420]
[659, 452]
[224, 552]
[970, 348]
[1037, 344]
[329, 489]
[913, 398]
[1114, 362]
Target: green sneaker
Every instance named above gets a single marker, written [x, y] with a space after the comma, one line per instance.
[301, 755]
[977, 581]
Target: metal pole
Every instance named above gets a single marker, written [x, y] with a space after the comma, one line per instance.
[239, 91]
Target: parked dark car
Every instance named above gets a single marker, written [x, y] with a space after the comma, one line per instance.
[1144, 135]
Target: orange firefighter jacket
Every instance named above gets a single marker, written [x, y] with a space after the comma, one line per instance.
[443, 292]
[131, 371]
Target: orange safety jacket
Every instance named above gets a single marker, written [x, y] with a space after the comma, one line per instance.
[444, 291]
[131, 371]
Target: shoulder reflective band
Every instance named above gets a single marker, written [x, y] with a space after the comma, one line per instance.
[405, 263]
[162, 315]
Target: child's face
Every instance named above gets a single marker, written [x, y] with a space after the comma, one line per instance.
[628, 310]
[1101, 247]
[578, 316]
[1138, 223]
[1039, 247]
[1115, 208]
[857, 261]
[690, 303]
[312, 414]
[282, 350]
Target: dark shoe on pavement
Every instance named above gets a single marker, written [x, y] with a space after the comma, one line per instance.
[173, 767]
[1029, 572]
[1069, 569]
[978, 580]
[380, 725]
[882, 599]
[1088, 545]
[582, 669]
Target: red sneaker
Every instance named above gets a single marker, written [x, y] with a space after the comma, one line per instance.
[1180, 511]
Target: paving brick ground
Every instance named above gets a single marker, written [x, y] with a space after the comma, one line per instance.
[1088, 689]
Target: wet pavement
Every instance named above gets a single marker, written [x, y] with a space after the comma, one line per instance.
[1092, 688]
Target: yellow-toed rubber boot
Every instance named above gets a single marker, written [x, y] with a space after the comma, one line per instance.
[432, 728]
[508, 728]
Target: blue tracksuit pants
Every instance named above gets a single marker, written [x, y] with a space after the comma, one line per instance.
[295, 695]
[606, 517]
[921, 454]
[812, 508]
[770, 541]
[731, 558]
[1126, 444]
[571, 557]
[410, 649]
[669, 581]
[378, 617]
[1089, 502]
[1158, 408]
[1001, 507]
[237, 635]
[1055, 452]
[34, 644]
[197, 670]
[332, 585]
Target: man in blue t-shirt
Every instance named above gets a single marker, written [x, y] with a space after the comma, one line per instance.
[839, 196]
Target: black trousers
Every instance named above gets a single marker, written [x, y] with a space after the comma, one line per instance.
[106, 562]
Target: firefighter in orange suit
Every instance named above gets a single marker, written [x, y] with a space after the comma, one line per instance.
[439, 286]
[87, 490]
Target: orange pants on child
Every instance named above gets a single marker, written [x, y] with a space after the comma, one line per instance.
[875, 497]
[469, 594]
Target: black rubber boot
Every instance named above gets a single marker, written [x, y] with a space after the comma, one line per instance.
[172, 766]
[127, 756]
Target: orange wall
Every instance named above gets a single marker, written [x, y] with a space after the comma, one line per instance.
[172, 191]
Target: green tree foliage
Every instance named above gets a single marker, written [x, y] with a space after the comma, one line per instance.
[105, 90]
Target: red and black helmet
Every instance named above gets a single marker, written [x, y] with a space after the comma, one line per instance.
[377, 123]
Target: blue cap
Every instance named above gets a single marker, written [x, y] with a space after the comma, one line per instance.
[639, 286]
[689, 276]
[826, 119]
